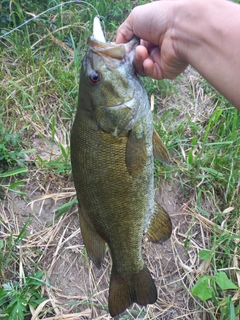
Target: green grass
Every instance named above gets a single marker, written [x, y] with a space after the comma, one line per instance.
[39, 86]
[207, 155]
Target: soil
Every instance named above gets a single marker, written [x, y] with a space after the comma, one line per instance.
[75, 286]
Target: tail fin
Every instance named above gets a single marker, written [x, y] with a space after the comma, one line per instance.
[138, 287]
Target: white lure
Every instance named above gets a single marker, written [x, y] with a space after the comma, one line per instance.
[97, 30]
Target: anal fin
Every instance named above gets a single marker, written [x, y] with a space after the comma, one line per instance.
[160, 227]
[159, 150]
[94, 243]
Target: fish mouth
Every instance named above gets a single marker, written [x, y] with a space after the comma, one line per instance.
[99, 45]
[113, 50]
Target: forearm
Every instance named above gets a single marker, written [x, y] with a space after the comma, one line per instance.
[207, 36]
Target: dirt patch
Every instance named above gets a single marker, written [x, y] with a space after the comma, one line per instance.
[76, 285]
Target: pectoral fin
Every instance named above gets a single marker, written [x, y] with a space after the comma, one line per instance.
[160, 227]
[159, 150]
[136, 154]
[95, 245]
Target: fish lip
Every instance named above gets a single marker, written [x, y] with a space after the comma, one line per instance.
[113, 50]
[93, 42]
[132, 44]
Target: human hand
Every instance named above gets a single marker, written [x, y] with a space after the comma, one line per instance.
[158, 55]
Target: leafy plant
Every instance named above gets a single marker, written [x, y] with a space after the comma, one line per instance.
[205, 286]
[19, 293]
[16, 298]
[10, 152]
[216, 287]
[8, 249]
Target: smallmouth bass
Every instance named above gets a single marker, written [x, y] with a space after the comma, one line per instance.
[113, 143]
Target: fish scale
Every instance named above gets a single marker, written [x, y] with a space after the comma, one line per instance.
[112, 147]
[111, 162]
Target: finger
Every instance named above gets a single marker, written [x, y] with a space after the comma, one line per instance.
[152, 65]
[152, 69]
[125, 31]
[150, 46]
[140, 55]
[138, 23]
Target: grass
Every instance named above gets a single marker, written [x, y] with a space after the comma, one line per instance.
[39, 85]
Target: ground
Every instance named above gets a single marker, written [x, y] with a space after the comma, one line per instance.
[75, 288]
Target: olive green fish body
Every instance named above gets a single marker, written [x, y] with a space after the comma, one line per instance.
[112, 163]
[107, 192]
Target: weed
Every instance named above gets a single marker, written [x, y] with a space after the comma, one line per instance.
[217, 288]
[11, 154]
[8, 251]
[22, 292]
[17, 298]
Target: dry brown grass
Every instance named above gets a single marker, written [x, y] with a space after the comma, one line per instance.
[75, 288]
[56, 246]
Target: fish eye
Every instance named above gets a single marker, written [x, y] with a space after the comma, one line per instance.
[94, 77]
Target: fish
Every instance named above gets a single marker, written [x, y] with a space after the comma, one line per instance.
[113, 146]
